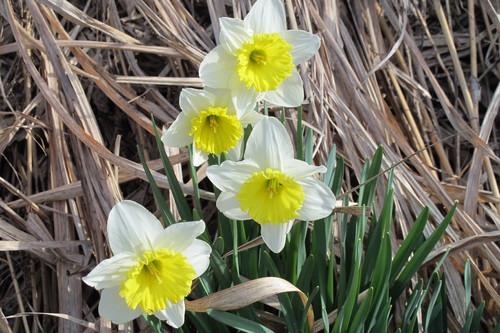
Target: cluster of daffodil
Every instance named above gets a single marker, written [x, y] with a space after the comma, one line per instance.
[152, 268]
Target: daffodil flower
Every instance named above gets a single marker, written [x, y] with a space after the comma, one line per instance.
[270, 186]
[152, 268]
[257, 56]
[210, 121]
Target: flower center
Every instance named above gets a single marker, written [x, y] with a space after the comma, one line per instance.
[271, 197]
[264, 61]
[214, 131]
[160, 276]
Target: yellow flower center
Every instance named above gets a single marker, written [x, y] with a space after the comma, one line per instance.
[214, 131]
[271, 197]
[264, 61]
[159, 276]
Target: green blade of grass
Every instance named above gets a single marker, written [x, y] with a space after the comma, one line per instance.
[309, 149]
[160, 200]
[409, 244]
[430, 308]
[304, 280]
[285, 302]
[180, 200]
[194, 178]
[369, 191]
[362, 313]
[476, 318]
[467, 285]
[300, 129]
[338, 177]
[238, 322]
[330, 166]
[375, 239]
[420, 255]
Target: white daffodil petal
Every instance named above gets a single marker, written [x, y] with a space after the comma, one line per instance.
[177, 135]
[266, 16]
[131, 228]
[192, 101]
[111, 272]
[178, 237]
[222, 99]
[244, 98]
[304, 44]
[300, 170]
[199, 156]
[251, 118]
[236, 152]
[274, 235]
[233, 33]
[230, 175]
[113, 307]
[173, 314]
[269, 144]
[230, 206]
[319, 200]
[290, 92]
[218, 68]
[198, 255]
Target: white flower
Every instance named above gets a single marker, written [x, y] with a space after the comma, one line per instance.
[152, 268]
[210, 121]
[270, 186]
[256, 57]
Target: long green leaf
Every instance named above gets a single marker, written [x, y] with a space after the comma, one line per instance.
[430, 308]
[300, 130]
[238, 322]
[375, 239]
[175, 188]
[420, 255]
[160, 200]
[409, 244]
[369, 191]
[330, 166]
[194, 178]
[362, 313]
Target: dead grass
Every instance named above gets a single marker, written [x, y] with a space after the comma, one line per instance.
[79, 81]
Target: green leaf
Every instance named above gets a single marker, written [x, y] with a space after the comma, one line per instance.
[330, 167]
[286, 304]
[220, 269]
[430, 309]
[331, 278]
[362, 313]
[160, 200]
[375, 239]
[420, 255]
[382, 320]
[308, 150]
[194, 178]
[153, 322]
[238, 322]
[295, 251]
[350, 303]
[304, 280]
[300, 130]
[476, 319]
[338, 177]
[374, 170]
[412, 307]
[175, 188]
[303, 321]
[467, 284]
[409, 244]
